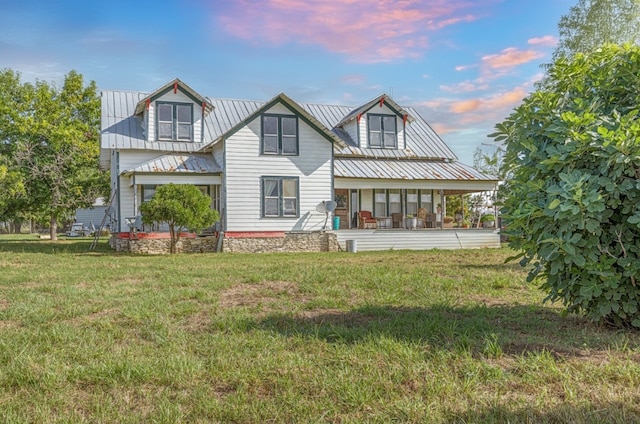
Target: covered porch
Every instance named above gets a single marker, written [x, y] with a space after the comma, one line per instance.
[385, 194]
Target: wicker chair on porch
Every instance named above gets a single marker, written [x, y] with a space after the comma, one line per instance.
[422, 218]
[396, 218]
[366, 220]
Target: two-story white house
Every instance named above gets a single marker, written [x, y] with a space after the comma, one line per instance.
[269, 167]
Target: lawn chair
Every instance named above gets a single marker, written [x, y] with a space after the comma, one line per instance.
[366, 220]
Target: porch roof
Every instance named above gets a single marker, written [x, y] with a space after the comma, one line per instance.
[191, 164]
[406, 170]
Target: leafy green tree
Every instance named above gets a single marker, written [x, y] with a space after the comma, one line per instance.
[592, 23]
[50, 136]
[573, 203]
[12, 186]
[180, 207]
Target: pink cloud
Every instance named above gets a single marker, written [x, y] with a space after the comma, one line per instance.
[546, 41]
[465, 87]
[510, 57]
[354, 79]
[487, 109]
[367, 31]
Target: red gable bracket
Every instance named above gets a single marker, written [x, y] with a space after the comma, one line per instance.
[381, 101]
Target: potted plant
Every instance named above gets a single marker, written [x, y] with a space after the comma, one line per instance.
[412, 221]
[488, 221]
[448, 221]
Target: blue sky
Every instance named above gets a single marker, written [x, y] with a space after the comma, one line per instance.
[464, 64]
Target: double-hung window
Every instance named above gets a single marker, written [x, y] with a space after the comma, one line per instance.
[382, 131]
[279, 135]
[175, 121]
[380, 202]
[280, 197]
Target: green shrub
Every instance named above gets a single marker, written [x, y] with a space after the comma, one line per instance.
[573, 208]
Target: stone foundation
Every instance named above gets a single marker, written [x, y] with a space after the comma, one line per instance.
[159, 244]
[289, 242]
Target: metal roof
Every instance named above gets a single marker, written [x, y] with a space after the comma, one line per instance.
[365, 107]
[141, 104]
[122, 129]
[191, 164]
[406, 170]
[230, 121]
[421, 140]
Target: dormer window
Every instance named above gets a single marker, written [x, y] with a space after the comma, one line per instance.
[175, 121]
[382, 131]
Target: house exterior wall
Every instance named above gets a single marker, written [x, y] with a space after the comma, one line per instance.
[244, 167]
[351, 128]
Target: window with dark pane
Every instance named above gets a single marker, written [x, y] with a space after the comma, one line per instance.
[382, 131]
[279, 135]
[185, 122]
[279, 197]
[165, 122]
[174, 121]
[375, 131]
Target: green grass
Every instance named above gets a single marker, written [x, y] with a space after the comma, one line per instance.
[397, 336]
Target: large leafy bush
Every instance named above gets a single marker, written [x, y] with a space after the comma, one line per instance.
[573, 205]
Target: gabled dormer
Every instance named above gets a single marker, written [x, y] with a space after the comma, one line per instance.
[378, 124]
[174, 113]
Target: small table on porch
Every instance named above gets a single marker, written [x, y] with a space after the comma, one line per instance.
[384, 221]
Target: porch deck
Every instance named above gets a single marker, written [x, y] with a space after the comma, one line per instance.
[422, 239]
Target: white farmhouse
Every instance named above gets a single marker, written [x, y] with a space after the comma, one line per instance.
[270, 167]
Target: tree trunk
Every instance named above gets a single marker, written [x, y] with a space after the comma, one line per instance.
[53, 228]
[172, 244]
[17, 226]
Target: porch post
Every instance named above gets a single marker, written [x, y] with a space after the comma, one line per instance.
[135, 196]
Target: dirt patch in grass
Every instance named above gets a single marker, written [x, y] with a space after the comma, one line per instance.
[270, 295]
[198, 322]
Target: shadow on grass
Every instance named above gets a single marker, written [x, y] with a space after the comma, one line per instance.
[480, 330]
[612, 412]
[32, 244]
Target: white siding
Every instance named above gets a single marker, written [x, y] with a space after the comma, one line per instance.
[352, 129]
[367, 240]
[245, 166]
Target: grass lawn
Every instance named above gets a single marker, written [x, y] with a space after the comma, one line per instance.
[396, 336]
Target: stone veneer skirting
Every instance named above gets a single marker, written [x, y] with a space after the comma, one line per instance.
[317, 241]
[158, 244]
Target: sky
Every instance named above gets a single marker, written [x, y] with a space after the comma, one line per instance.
[463, 64]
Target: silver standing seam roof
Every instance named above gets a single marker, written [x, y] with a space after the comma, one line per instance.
[184, 164]
[426, 155]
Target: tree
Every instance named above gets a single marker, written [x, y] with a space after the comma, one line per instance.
[12, 186]
[50, 136]
[180, 207]
[573, 202]
[592, 23]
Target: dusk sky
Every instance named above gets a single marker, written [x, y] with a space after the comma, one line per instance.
[463, 64]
